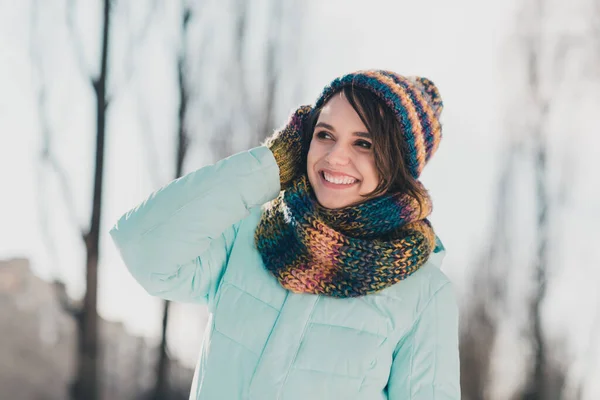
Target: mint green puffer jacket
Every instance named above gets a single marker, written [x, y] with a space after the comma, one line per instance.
[193, 241]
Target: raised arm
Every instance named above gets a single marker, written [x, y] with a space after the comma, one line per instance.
[177, 241]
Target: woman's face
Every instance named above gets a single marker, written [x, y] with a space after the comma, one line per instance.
[340, 163]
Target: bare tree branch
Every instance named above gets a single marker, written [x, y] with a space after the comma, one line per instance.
[76, 39]
[150, 151]
[134, 41]
[271, 70]
[46, 156]
[241, 23]
[68, 305]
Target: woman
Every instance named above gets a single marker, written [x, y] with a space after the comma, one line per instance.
[313, 253]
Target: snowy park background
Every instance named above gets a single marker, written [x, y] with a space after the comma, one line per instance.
[515, 182]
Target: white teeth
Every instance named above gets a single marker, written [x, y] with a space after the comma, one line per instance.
[346, 180]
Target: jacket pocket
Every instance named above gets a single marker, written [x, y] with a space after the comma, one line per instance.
[344, 337]
[338, 350]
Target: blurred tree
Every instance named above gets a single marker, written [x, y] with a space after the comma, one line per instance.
[479, 326]
[86, 384]
[240, 117]
[543, 47]
[538, 382]
[257, 109]
[251, 75]
[161, 388]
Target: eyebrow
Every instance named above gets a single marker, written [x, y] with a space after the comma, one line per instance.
[331, 128]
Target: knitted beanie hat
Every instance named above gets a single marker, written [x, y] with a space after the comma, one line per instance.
[416, 103]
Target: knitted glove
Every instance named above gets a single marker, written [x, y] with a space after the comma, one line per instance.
[286, 146]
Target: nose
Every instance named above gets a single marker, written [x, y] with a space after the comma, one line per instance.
[338, 155]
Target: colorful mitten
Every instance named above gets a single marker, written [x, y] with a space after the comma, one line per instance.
[286, 146]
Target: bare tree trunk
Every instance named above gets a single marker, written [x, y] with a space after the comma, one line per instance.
[162, 368]
[548, 372]
[538, 378]
[272, 72]
[86, 385]
[481, 320]
[162, 383]
[536, 384]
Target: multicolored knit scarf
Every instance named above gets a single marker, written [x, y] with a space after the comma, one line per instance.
[346, 252]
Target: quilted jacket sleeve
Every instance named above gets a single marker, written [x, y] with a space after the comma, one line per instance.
[426, 361]
[176, 242]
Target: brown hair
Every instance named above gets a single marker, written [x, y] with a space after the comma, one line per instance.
[389, 145]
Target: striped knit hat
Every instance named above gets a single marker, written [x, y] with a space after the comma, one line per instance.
[415, 101]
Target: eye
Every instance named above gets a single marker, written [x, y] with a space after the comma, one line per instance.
[364, 144]
[323, 135]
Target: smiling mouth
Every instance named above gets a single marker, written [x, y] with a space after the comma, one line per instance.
[339, 182]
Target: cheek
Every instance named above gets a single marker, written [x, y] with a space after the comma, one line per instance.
[311, 159]
[314, 154]
[371, 174]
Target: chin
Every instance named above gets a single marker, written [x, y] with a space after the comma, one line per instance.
[333, 202]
